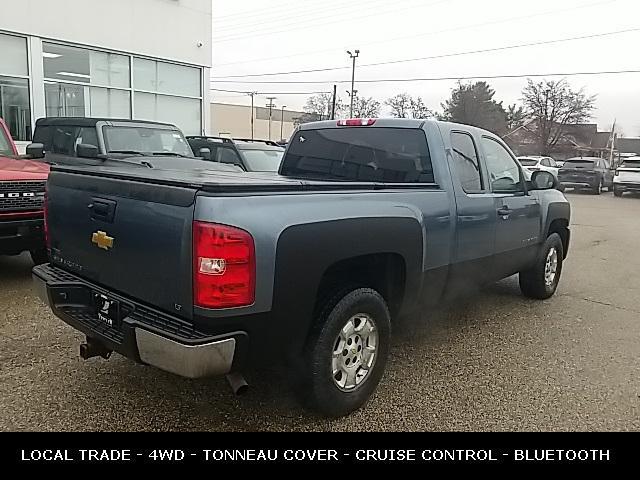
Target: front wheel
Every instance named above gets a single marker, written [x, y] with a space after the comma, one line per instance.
[346, 354]
[617, 192]
[541, 280]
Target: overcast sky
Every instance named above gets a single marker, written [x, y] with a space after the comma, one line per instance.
[258, 36]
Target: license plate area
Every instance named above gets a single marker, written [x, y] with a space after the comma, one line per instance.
[107, 309]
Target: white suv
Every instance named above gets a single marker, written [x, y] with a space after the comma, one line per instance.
[627, 177]
[535, 163]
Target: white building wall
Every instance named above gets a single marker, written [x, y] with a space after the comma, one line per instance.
[173, 30]
[164, 29]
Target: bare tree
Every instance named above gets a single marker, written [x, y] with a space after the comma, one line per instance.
[515, 117]
[364, 107]
[320, 106]
[400, 105]
[404, 105]
[552, 105]
[419, 109]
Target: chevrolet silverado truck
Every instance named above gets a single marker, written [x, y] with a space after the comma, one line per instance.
[367, 221]
[22, 185]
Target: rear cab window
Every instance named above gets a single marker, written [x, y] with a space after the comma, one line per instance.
[360, 154]
[466, 164]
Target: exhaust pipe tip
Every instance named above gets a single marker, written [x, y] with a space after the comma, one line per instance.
[237, 383]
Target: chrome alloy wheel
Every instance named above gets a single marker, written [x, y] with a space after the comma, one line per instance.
[354, 352]
[551, 267]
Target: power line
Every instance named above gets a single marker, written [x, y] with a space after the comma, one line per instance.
[424, 34]
[267, 93]
[435, 79]
[446, 55]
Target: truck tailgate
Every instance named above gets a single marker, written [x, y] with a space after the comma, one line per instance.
[128, 236]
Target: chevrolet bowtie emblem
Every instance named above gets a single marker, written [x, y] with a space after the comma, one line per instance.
[102, 240]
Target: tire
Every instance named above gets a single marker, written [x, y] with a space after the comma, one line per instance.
[597, 189]
[39, 256]
[340, 393]
[617, 192]
[534, 282]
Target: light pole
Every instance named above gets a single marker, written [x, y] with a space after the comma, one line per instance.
[270, 105]
[281, 121]
[353, 77]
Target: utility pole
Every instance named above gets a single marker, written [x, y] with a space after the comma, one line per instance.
[281, 121]
[353, 77]
[353, 94]
[333, 104]
[252, 94]
[270, 105]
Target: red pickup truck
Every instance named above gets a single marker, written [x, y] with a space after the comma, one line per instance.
[22, 186]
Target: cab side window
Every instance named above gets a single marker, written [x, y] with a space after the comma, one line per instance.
[87, 136]
[466, 164]
[64, 140]
[228, 155]
[504, 173]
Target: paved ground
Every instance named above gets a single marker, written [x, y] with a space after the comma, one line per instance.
[496, 361]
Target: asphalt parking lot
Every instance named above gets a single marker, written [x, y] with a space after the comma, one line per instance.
[494, 361]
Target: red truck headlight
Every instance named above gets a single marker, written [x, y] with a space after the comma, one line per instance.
[224, 266]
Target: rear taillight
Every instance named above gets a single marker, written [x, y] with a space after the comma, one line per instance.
[356, 122]
[224, 266]
[45, 205]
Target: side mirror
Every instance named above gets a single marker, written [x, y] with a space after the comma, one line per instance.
[543, 180]
[86, 150]
[205, 153]
[35, 150]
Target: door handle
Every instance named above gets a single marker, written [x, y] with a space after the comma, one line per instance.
[504, 211]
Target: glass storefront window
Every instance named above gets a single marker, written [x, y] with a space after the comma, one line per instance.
[14, 107]
[62, 62]
[67, 100]
[182, 112]
[163, 77]
[13, 55]
[14, 91]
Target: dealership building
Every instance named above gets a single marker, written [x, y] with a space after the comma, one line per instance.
[142, 59]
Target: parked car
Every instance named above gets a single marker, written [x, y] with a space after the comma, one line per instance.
[535, 163]
[249, 155]
[369, 220]
[627, 177]
[22, 185]
[586, 172]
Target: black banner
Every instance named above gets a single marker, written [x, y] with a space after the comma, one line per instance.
[495, 449]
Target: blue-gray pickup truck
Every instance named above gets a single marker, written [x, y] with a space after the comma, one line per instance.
[208, 273]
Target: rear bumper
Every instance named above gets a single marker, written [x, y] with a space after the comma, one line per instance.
[16, 236]
[144, 335]
[626, 186]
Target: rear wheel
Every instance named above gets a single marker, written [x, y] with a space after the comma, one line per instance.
[617, 192]
[39, 256]
[597, 189]
[346, 354]
[541, 280]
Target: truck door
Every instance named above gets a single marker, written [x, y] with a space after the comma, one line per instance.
[475, 219]
[518, 213]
